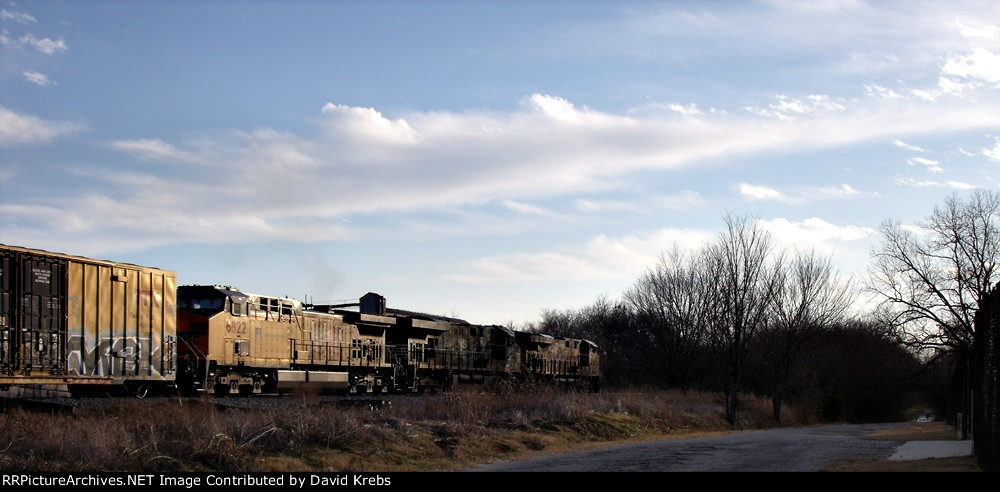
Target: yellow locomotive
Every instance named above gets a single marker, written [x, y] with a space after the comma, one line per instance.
[235, 342]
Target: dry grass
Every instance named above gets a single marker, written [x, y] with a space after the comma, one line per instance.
[426, 433]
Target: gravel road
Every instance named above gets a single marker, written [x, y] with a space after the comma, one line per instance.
[801, 449]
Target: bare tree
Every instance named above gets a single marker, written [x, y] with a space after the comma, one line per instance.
[611, 326]
[811, 298]
[672, 301]
[748, 277]
[932, 278]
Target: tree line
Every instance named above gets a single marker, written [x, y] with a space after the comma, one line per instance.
[742, 315]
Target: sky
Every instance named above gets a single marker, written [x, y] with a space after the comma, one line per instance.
[488, 160]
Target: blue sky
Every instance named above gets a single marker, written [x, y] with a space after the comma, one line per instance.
[486, 160]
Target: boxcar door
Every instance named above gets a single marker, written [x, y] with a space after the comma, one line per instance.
[36, 299]
[9, 346]
[124, 321]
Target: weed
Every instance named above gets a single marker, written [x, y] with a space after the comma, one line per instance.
[427, 432]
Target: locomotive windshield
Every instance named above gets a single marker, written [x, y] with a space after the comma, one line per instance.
[211, 305]
[205, 300]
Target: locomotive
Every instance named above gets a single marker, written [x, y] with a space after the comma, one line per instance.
[93, 324]
[235, 342]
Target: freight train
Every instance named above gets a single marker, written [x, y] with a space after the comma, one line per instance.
[91, 325]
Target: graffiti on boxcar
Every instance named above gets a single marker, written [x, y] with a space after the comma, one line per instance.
[111, 357]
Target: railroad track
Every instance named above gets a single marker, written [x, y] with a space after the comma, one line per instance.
[47, 405]
[66, 405]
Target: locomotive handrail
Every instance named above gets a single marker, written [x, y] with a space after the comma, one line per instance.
[359, 355]
[441, 358]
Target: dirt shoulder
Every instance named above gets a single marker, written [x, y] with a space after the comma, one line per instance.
[923, 431]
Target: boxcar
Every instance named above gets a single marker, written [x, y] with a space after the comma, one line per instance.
[85, 323]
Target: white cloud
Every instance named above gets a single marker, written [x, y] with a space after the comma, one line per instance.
[37, 78]
[879, 92]
[689, 109]
[957, 185]
[154, 149]
[814, 230]
[904, 145]
[601, 206]
[20, 129]
[601, 258]
[623, 259]
[994, 153]
[788, 108]
[527, 209]
[842, 191]
[950, 86]
[45, 45]
[555, 107]
[931, 165]
[802, 195]
[915, 229]
[523, 267]
[987, 32]
[920, 160]
[19, 17]
[368, 125]
[981, 64]
[915, 183]
[684, 201]
[848, 243]
[762, 193]
[363, 161]
[281, 152]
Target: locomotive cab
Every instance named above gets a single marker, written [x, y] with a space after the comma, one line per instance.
[207, 301]
[199, 307]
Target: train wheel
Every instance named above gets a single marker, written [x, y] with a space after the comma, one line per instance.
[269, 385]
[79, 391]
[221, 390]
